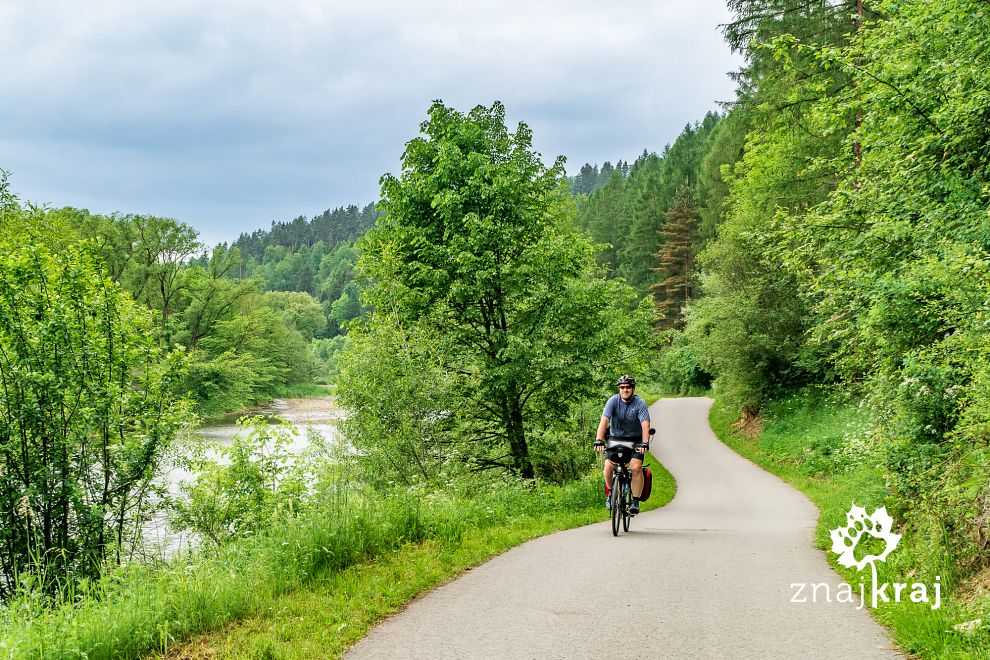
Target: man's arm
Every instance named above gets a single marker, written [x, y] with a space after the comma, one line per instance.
[602, 425]
[646, 431]
[600, 434]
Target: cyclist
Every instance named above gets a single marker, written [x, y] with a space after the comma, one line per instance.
[627, 418]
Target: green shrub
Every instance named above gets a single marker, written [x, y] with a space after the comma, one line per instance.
[248, 486]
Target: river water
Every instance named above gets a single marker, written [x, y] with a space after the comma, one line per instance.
[308, 416]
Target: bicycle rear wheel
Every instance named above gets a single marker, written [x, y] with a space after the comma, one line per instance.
[615, 497]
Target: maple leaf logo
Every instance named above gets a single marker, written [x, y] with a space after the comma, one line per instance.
[845, 539]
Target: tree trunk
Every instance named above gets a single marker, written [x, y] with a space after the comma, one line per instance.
[516, 433]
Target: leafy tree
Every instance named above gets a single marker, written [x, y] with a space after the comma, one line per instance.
[347, 307]
[246, 359]
[211, 295]
[87, 408]
[306, 284]
[398, 387]
[895, 260]
[336, 271]
[162, 248]
[753, 319]
[477, 244]
[299, 310]
[327, 352]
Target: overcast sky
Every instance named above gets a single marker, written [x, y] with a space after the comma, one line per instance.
[228, 114]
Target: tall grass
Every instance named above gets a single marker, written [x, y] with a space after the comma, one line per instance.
[819, 443]
[140, 609]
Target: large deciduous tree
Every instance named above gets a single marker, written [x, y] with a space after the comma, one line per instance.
[478, 250]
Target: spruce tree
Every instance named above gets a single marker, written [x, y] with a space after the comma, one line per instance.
[675, 261]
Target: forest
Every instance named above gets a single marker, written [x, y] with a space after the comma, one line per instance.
[827, 233]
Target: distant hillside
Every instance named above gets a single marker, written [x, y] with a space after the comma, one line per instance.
[590, 178]
[331, 227]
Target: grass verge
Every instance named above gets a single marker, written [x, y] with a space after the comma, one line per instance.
[311, 585]
[819, 444]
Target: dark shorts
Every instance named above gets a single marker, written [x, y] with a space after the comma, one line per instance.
[622, 454]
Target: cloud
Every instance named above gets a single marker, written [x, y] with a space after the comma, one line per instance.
[232, 113]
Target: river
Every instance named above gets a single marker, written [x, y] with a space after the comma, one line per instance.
[317, 415]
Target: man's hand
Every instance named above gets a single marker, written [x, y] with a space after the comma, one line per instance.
[599, 446]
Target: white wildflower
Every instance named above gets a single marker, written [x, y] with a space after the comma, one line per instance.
[24, 508]
[968, 627]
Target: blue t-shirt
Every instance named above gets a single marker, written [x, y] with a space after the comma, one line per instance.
[626, 419]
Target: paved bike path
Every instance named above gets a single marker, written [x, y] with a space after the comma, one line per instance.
[707, 576]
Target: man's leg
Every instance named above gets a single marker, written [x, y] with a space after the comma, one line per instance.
[636, 465]
[607, 476]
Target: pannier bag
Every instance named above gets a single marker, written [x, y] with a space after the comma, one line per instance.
[647, 484]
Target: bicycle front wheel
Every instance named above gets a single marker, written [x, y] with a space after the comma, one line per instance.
[615, 499]
[626, 501]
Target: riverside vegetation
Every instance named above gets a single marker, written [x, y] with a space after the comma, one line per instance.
[307, 574]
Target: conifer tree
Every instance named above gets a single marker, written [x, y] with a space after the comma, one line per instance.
[675, 261]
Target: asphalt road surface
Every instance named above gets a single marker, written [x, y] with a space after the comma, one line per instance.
[707, 576]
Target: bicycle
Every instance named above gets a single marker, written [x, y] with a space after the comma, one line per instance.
[620, 495]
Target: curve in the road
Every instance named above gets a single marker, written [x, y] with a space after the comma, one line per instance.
[708, 576]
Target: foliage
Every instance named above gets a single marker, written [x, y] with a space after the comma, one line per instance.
[397, 390]
[246, 487]
[211, 295]
[299, 311]
[306, 268]
[895, 261]
[477, 250]
[851, 246]
[327, 354]
[154, 271]
[589, 178]
[681, 367]
[245, 359]
[341, 225]
[87, 409]
[753, 320]
[626, 213]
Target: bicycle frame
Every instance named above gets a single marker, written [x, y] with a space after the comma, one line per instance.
[621, 496]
